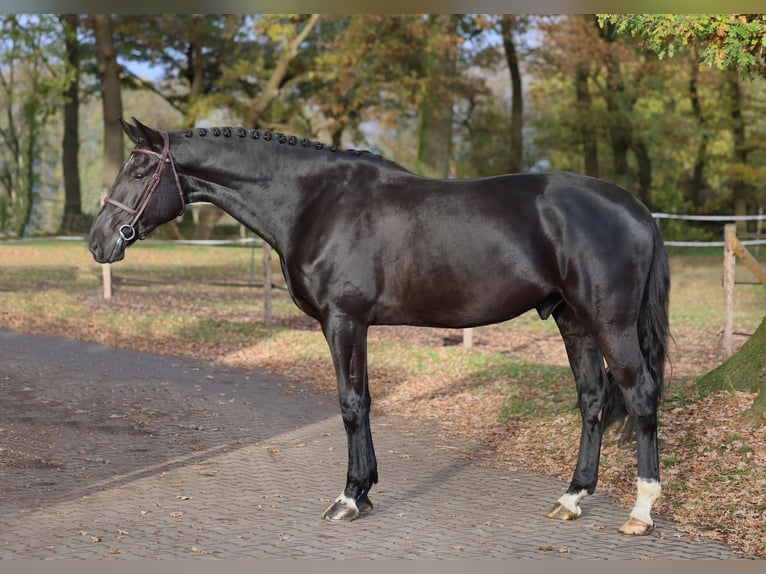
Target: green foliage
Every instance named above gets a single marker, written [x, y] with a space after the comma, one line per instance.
[681, 116]
[723, 41]
[33, 78]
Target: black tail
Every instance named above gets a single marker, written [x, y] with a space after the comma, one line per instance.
[653, 324]
[653, 333]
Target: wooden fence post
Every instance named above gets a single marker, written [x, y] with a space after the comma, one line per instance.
[106, 275]
[729, 262]
[106, 272]
[468, 338]
[750, 262]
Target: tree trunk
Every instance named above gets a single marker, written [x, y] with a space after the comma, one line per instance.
[111, 96]
[739, 187]
[196, 65]
[73, 217]
[616, 102]
[744, 371]
[587, 132]
[435, 132]
[644, 169]
[697, 182]
[507, 25]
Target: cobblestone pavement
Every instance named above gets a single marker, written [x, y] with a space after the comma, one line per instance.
[115, 454]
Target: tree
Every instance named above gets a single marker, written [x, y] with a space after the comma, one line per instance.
[602, 103]
[73, 216]
[290, 39]
[436, 111]
[111, 97]
[724, 41]
[697, 181]
[621, 97]
[192, 49]
[735, 43]
[385, 53]
[744, 371]
[32, 80]
[509, 26]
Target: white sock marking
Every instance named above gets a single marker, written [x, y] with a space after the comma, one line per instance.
[648, 493]
[571, 501]
[346, 501]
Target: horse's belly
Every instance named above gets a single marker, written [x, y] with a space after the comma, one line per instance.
[458, 303]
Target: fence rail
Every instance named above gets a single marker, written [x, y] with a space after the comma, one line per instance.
[657, 217]
[720, 218]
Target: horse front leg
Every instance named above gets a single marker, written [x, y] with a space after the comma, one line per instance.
[347, 340]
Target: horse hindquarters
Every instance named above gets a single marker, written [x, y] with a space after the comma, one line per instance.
[347, 340]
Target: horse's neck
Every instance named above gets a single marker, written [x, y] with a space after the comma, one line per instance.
[260, 193]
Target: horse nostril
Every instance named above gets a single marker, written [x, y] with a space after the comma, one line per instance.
[95, 249]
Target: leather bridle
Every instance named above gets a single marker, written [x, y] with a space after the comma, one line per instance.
[128, 231]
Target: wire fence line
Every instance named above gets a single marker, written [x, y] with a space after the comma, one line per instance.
[714, 218]
[255, 241]
[727, 218]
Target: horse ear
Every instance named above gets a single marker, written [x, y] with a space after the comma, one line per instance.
[148, 137]
[131, 132]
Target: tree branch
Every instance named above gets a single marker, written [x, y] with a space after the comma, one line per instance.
[271, 91]
[152, 88]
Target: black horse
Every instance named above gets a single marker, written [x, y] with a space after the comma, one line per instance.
[362, 241]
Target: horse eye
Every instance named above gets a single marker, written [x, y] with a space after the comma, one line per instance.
[138, 176]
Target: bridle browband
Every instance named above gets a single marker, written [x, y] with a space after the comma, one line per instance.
[165, 159]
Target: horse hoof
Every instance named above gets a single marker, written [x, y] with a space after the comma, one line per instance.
[636, 527]
[561, 512]
[338, 512]
[364, 505]
[346, 510]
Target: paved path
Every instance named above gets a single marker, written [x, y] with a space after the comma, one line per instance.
[116, 454]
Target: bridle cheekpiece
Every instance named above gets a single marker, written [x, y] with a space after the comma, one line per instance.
[128, 231]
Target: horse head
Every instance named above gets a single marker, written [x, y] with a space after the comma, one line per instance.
[145, 194]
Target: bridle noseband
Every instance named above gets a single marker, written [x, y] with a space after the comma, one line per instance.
[165, 159]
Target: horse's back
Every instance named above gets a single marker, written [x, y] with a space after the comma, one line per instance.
[465, 252]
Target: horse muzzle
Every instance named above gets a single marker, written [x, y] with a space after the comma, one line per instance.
[107, 251]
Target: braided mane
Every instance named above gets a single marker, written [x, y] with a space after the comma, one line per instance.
[281, 138]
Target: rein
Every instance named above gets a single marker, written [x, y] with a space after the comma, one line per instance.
[128, 231]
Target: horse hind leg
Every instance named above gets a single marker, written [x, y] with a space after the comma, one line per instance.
[641, 394]
[587, 363]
